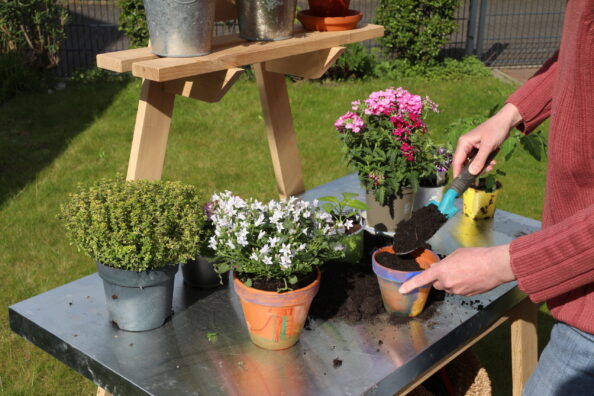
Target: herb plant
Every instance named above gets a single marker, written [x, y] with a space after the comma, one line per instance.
[534, 144]
[344, 211]
[385, 136]
[135, 225]
[277, 240]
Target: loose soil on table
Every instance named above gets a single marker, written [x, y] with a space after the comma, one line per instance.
[351, 293]
[269, 284]
[413, 233]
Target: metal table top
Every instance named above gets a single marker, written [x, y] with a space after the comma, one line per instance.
[71, 323]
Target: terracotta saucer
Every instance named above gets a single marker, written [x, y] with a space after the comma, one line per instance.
[329, 24]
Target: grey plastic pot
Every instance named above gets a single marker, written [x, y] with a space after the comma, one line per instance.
[385, 217]
[266, 20]
[180, 28]
[138, 301]
[200, 273]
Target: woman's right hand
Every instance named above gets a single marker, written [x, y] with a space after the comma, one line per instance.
[486, 138]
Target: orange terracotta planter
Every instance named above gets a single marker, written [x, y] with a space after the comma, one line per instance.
[329, 24]
[390, 280]
[275, 320]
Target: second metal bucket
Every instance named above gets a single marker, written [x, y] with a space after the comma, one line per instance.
[266, 20]
[180, 28]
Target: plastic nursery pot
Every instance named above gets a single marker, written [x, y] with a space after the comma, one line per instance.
[390, 280]
[354, 245]
[385, 217]
[200, 273]
[349, 21]
[275, 320]
[138, 301]
[479, 204]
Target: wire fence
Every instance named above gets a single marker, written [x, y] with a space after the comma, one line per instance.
[500, 32]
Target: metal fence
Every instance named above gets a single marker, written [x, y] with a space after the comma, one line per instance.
[500, 32]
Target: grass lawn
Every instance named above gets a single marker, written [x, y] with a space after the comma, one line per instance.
[51, 143]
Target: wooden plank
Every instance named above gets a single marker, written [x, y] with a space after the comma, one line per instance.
[103, 392]
[451, 356]
[225, 10]
[210, 87]
[310, 65]
[524, 344]
[151, 131]
[279, 129]
[232, 51]
[121, 61]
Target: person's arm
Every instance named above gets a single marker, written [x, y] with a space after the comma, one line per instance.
[525, 109]
[546, 264]
[557, 259]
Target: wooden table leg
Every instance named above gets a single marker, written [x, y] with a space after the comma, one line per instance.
[103, 392]
[524, 343]
[279, 128]
[151, 131]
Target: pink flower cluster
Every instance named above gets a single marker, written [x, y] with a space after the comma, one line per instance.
[393, 101]
[350, 121]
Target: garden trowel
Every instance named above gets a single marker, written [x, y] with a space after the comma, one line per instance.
[410, 235]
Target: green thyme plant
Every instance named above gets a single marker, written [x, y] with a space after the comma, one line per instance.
[135, 225]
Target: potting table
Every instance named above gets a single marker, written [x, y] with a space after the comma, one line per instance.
[205, 347]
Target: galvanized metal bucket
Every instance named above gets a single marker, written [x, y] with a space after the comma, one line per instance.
[266, 20]
[180, 28]
[138, 301]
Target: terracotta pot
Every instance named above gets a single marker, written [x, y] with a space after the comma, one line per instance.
[275, 320]
[390, 280]
[479, 204]
[329, 24]
[385, 217]
[329, 8]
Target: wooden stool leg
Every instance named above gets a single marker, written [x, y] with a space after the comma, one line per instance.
[524, 343]
[103, 392]
[279, 128]
[151, 131]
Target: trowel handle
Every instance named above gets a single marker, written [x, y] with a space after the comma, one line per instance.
[465, 178]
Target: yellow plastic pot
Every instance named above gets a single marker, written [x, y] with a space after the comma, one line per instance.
[479, 204]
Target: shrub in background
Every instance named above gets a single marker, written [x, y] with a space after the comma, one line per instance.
[33, 29]
[416, 30]
[133, 22]
[357, 62]
[448, 69]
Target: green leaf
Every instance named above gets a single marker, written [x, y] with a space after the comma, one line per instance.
[355, 204]
[212, 336]
[349, 195]
[533, 145]
[329, 198]
[293, 279]
[508, 147]
[328, 207]
[248, 282]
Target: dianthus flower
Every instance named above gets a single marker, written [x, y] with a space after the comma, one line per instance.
[350, 121]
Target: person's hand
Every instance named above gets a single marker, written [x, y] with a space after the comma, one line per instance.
[467, 271]
[485, 138]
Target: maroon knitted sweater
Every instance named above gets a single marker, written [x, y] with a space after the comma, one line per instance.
[556, 264]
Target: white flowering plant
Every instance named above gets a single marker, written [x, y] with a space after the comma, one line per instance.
[277, 240]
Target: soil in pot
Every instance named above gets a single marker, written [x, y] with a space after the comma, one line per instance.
[413, 233]
[271, 284]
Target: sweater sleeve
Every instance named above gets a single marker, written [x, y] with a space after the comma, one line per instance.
[555, 260]
[533, 99]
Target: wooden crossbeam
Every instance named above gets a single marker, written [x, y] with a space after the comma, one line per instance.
[210, 87]
[310, 65]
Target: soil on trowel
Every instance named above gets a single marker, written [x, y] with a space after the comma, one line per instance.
[413, 233]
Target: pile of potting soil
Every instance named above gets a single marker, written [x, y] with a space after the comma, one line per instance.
[351, 293]
[413, 233]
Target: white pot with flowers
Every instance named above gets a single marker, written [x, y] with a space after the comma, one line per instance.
[434, 174]
[274, 251]
[384, 136]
